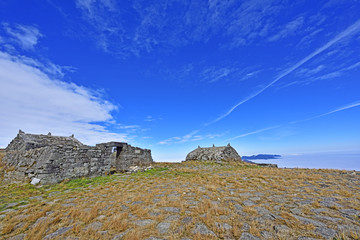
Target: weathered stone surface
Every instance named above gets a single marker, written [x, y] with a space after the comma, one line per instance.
[187, 220]
[172, 218]
[52, 159]
[248, 203]
[163, 227]
[144, 222]
[248, 236]
[57, 233]
[224, 226]
[171, 209]
[18, 237]
[327, 233]
[266, 235]
[282, 229]
[217, 154]
[121, 235]
[202, 229]
[35, 181]
[95, 226]
[350, 212]
[309, 221]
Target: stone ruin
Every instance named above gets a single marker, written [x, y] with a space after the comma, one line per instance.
[53, 159]
[218, 154]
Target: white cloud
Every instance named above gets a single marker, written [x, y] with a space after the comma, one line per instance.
[352, 105]
[143, 26]
[253, 132]
[288, 30]
[190, 137]
[351, 30]
[149, 119]
[305, 72]
[182, 139]
[309, 75]
[353, 66]
[213, 75]
[250, 75]
[290, 132]
[26, 36]
[33, 101]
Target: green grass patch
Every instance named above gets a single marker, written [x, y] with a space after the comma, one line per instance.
[85, 182]
[158, 171]
[18, 193]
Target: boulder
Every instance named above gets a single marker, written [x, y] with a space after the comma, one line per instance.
[35, 181]
[217, 154]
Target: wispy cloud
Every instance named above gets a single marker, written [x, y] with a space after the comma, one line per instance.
[182, 139]
[253, 132]
[351, 30]
[353, 66]
[288, 133]
[250, 74]
[190, 137]
[233, 72]
[35, 102]
[306, 72]
[356, 104]
[156, 24]
[26, 36]
[319, 73]
[150, 118]
[128, 127]
[289, 29]
[214, 75]
[352, 105]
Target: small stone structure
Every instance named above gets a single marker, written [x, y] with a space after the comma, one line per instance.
[218, 154]
[53, 159]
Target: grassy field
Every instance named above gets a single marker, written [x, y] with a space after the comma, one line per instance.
[190, 200]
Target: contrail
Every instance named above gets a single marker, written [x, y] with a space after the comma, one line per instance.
[254, 132]
[356, 104]
[347, 32]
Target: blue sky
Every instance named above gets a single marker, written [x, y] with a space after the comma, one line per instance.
[267, 76]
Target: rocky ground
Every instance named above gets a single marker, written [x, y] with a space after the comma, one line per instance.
[188, 201]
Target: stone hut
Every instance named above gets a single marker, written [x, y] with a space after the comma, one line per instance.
[53, 159]
[218, 154]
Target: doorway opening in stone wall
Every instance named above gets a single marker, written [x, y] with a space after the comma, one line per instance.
[118, 151]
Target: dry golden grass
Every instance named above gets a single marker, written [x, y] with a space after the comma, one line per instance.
[254, 230]
[117, 202]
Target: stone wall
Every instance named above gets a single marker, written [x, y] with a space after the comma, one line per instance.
[218, 154]
[53, 159]
[131, 156]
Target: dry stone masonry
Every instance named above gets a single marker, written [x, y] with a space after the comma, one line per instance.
[218, 154]
[53, 159]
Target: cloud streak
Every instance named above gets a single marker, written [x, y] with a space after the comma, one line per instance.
[288, 29]
[351, 30]
[352, 105]
[190, 137]
[253, 132]
[349, 106]
[26, 36]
